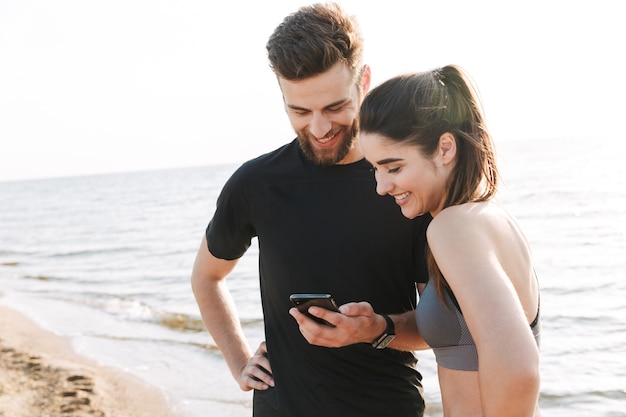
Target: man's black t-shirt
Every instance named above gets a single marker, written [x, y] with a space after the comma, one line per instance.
[325, 230]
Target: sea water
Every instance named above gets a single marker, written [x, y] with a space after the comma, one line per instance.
[106, 261]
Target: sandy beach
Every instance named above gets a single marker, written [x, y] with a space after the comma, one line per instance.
[40, 376]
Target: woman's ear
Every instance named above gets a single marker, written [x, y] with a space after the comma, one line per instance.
[447, 148]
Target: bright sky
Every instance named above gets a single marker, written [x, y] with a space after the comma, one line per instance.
[122, 85]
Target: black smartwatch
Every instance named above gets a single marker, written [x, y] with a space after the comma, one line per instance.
[384, 339]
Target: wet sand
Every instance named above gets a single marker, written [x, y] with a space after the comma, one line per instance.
[40, 375]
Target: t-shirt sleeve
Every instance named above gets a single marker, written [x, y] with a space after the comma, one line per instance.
[230, 231]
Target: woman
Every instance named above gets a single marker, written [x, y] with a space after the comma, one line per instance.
[426, 137]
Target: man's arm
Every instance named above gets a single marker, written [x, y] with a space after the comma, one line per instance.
[220, 317]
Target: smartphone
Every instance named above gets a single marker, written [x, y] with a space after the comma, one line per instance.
[304, 301]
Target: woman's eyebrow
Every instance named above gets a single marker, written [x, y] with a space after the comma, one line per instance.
[388, 161]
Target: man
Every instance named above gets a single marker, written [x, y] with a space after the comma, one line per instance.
[321, 228]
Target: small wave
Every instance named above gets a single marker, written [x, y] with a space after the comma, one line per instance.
[584, 402]
[179, 321]
[89, 252]
[204, 346]
[41, 278]
[616, 394]
[184, 322]
[132, 309]
[251, 322]
[9, 264]
[8, 252]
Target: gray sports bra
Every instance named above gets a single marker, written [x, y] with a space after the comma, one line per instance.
[445, 330]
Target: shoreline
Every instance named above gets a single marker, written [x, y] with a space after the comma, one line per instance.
[40, 374]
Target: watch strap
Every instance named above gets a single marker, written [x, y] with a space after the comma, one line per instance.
[387, 336]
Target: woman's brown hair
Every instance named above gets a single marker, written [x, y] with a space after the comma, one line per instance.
[417, 109]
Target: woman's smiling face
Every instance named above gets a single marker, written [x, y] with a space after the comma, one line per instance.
[417, 183]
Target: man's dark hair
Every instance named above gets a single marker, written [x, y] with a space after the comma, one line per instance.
[312, 40]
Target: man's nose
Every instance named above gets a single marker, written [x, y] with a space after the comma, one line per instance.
[320, 125]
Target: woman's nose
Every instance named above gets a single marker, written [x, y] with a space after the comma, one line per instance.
[383, 186]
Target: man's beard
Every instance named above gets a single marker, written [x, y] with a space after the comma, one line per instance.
[331, 156]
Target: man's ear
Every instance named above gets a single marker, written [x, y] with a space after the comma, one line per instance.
[447, 148]
[366, 79]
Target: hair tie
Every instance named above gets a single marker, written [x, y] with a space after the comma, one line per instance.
[438, 74]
